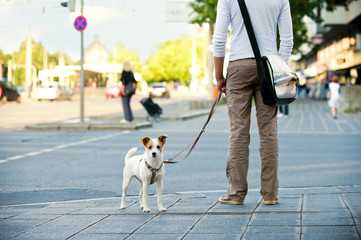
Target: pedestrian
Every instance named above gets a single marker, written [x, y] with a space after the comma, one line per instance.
[127, 78]
[241, 86]
[333, 96]
[283, 111]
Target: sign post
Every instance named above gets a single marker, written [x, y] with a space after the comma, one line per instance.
[80, 24]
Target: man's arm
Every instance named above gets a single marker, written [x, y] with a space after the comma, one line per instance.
[218, 67]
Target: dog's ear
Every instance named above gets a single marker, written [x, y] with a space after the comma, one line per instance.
[145, 140]
[162, 138]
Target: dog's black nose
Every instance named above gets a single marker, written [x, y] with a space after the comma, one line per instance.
[154, 154]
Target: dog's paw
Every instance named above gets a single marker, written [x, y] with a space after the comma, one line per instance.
[162, 209]
[122, 208]
[146, 210]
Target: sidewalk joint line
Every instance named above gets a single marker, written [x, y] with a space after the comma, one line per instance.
[150, 219]
[203, 214]
[352, 216]
[69, 213]
[301, 214]
[250, 219]
[340, 187]
[87, 227]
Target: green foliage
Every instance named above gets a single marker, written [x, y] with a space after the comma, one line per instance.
[172, 61]
[121, 54]
[5, 58]
[206, 11]
[54, 59]
[37, 60]
[353, 110]
[20, 60]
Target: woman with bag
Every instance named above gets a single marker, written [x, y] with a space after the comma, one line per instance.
[241, 86]
[128, 89]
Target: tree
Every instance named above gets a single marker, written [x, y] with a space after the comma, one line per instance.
[121, 54]
[206, 11]
[37, 60]
[5, 58]
[20, 59]
[172, 61]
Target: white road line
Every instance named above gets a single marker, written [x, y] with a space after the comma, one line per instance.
[61, 147]
[32, 154]
[15, 157]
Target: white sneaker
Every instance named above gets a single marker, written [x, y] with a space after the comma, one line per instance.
[124, 121]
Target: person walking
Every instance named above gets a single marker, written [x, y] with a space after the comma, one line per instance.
[127, 78]
[333, 96]
[241, 86]
[283, 111]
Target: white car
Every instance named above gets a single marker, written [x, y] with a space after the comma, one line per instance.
[158, 90]
[54, 91]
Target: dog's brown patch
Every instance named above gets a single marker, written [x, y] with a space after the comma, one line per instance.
[162, 139]
[147, 142]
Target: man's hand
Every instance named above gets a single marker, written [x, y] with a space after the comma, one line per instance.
[221, 84]
[218, 67]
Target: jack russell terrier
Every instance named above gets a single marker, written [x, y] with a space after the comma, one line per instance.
[147, 169]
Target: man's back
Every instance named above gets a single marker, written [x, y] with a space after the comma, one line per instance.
[265, 15]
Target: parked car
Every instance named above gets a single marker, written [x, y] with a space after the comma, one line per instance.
[54, 91]
[112, 91]
[158, 90]
[8, 92]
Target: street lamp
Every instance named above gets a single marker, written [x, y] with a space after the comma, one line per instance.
[69, 4]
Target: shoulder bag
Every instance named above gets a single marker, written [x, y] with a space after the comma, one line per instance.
[278, 81]
[129, 89]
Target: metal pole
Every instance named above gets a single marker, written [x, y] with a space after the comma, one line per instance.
[82, 69]
[28, 63]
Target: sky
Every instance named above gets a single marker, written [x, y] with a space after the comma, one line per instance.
[141, 25]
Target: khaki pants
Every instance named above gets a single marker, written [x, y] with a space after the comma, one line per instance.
[242, 87]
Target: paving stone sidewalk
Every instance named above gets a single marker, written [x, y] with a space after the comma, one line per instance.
[302, 213]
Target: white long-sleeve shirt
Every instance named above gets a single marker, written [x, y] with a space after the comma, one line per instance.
[264, 15]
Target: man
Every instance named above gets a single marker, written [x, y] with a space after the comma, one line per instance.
[241, 86]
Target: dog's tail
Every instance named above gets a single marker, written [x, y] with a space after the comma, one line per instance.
[130, 153]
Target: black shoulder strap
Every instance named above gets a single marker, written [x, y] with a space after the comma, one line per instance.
[247, 22]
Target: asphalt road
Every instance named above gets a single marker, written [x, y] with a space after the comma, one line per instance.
[48, 166]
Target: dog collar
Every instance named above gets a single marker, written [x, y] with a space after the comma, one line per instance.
[154, 171]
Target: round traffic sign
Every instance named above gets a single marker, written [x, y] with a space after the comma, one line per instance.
[80, 23]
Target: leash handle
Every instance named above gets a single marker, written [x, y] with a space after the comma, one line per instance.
[193, 143]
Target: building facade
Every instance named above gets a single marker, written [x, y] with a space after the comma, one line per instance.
[335, 51]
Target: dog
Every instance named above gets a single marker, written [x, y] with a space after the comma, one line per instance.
[147, 169]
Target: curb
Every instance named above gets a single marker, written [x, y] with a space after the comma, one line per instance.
[181, 117]
[112, 125]
[87, 126]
